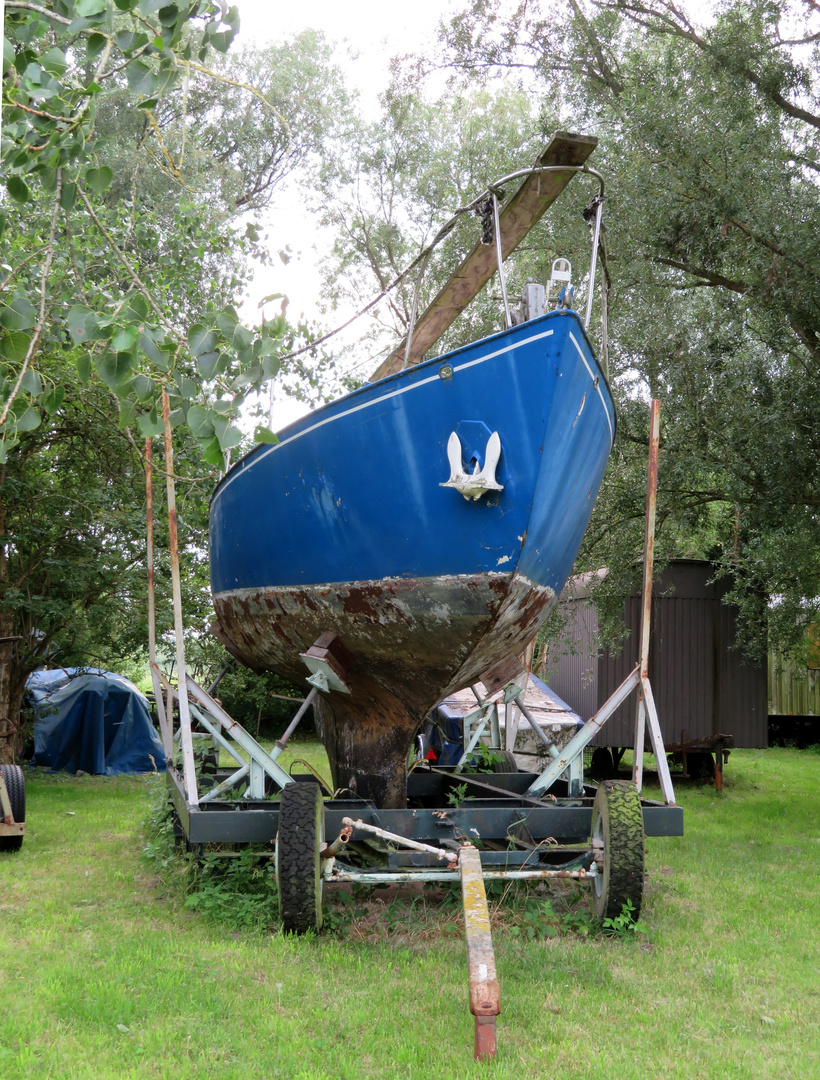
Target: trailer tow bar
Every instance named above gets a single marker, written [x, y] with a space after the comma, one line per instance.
[485, 993]
[463, 864]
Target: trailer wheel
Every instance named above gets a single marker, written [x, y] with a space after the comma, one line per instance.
[506, 762]
[16, 787]
[299, 842]
[618, 846]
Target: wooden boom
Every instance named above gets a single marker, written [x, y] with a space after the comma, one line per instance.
[522, 212]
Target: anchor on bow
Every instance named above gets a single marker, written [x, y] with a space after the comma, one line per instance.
[473, 485]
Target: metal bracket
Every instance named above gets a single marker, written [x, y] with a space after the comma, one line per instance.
[327, 660]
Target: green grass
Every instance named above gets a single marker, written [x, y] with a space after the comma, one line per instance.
[105, 973]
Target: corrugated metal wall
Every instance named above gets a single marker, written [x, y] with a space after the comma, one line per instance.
[700, 683]
[793, 690]
[572, 666]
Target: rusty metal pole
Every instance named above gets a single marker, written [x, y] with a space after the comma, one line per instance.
[646, 593]
[485, 993]
[647, 714]
[164, 727]
[186, 743]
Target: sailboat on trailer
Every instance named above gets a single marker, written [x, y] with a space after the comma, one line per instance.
[421, 527]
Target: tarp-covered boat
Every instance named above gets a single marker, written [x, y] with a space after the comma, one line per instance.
[428, 519]
[90, 720]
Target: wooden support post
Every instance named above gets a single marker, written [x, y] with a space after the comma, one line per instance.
[165, 720]
[186, 742]
[646, 713]
[646, 591]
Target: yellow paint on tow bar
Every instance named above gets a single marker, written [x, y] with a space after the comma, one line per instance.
[485, 993]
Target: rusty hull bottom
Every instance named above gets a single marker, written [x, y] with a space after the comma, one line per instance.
[413, 641]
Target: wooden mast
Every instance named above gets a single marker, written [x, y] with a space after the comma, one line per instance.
[535, 195]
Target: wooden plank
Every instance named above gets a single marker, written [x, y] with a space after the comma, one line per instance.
[527, 206]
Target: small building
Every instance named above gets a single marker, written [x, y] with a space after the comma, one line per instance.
[702, 685]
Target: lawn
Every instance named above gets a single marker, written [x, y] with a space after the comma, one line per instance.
[104, 972]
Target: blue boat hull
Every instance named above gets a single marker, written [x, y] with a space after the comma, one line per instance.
[345, 526]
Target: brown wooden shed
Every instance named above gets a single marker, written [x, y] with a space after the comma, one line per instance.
[702, 685]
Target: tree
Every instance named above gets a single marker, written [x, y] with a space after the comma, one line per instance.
[709, 136]
[121, 265]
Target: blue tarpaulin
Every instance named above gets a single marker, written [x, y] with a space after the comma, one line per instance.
[92, 721]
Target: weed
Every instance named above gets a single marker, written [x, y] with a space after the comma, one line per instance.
[456, 797]
[483, 759]
[238, 890]
[624, 926]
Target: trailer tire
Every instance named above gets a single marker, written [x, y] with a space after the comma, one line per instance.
[617, 826]
[299, 842]
[506, 762]
[16, 787]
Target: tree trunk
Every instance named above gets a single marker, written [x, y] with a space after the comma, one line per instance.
[9, 707]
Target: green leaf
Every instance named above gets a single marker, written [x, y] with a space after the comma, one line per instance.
[19, 315]
[229, 436]
[208, 364]
[168, 15]
[68, 195]
[137, 306]
[18, 189]
[94, 46]
[82, 324]
[115, 368]
[142, 80]
[32, 383]
[52, 400]
[14, 346]
[125, 339]
[84, 368]
[48, 177]
[201, 340]
[150, 424]
[265, 435]
[143, 387]
[129, 41]
[242, 338]
[54, 60]
[86, 8]
[154, 354]
[148, 7]
[128, 414]
[271, 366]
[226, 320]
[30, 420]
[126, 5]
[188, 389]
[99, 180]
[200, 422]
[212, 453]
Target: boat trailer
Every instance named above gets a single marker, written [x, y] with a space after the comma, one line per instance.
[457, 826]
